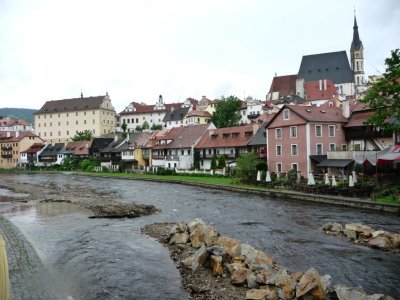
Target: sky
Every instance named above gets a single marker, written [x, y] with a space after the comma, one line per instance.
[138, 49]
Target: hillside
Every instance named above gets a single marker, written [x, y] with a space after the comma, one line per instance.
[18, 113]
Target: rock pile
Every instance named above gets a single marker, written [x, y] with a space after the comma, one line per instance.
[365, 235]
[254, 269]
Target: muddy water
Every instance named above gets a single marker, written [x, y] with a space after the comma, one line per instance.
[110, 259]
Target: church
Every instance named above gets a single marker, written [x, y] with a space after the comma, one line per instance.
[321, 76]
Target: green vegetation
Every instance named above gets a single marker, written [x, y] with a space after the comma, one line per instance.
[156, 127]
[213, 162]
[226, 112]
[246, 167]
[221, 162]
[82, 136]
[18, 113]
[384, 96]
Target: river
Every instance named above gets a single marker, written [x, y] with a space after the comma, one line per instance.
[110, 259]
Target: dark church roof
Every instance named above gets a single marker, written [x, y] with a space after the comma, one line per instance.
[356, 44]
[334, 66]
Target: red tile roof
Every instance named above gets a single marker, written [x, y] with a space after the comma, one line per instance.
[285, 85]
[13, 136]
[187, 136]
[357, 119]
[313, 91]
[34, 148]
[79, 147]
[197, 113]
[227, 137]
[316, 114]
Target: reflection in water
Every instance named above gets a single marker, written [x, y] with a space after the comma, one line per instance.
[51, 209]
[107, 259]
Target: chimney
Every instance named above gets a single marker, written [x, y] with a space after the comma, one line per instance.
[17, 134]
[346, 108]
[255, 128]
[127, 137]
[115, 137]
[8, 134]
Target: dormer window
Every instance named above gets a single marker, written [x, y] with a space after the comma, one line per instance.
[214, 136]
[286, 114]
[225, 135]
[235, 135]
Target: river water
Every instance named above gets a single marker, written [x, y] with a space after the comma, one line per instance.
[110, 259]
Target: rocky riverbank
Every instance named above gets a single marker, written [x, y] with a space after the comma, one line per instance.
[102, 205]
[219, 267]
[366, 235]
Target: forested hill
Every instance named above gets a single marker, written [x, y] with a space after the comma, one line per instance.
[18, 113]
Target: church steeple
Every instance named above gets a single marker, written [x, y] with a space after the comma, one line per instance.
[357, 57]
[356, 44]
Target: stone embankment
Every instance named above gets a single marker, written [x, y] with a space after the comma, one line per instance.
[363, 234]
[219, 267]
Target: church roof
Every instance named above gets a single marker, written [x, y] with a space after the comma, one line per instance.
[285, 85]
[356, 44]
[333, 65]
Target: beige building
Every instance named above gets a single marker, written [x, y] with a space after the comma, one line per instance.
[12, 143]
[59, 120]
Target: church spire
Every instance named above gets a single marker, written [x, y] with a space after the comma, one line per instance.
[356, 43]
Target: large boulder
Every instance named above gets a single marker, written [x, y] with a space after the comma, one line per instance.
[363, 230]
[228, 244]
[239, 276]
[311, 286]
[395, 240]
[178, 234]
[285, 282]
[199, 258]
[202, 234]
[216, 265]
[263, 275]
[380, 242]
[347, 293]
[256, 294]
[256, 259]
[351, 234]
[377, 233]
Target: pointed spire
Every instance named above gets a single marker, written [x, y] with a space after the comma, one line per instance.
[356, 43]
[81, 94]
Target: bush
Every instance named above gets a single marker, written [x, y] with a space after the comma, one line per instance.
[262, 166]
[161, 171]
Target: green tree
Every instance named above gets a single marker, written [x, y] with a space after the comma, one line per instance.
[196, 159]
[124, 127]
[213, 162]
[138, 128]
[383, 96]
[145, 125]
[226, 112]
[246, 166]
[221, 162]
[156, 127]
[262, 166]
[82, 136]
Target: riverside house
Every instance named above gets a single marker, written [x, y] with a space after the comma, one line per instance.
[230, 142]
[12, 143]
[298, 133]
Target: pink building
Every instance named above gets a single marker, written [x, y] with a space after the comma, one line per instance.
[296, 134]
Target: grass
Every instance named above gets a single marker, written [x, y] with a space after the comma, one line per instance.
[388, 200]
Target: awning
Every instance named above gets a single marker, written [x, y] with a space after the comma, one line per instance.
[335, 163]
[318, 158]
[386, 155]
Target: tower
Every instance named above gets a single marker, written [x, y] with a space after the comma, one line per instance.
[357, 57]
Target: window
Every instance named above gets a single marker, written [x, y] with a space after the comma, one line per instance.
[94, 121]
[67, 132]
[319, 149]
[279, 167]
[84, 121]
[294, 150]
[344, 147]
[286, 114]
[331, 130]
[59, 123]
[332, 147]
[182, 152]
[67, 122]
[76, 122]
[59, 133]
[76, 114]
[278, 133]
[278, 150]
[295, 167]
[293, 131]
[357, 147]
[318, 130]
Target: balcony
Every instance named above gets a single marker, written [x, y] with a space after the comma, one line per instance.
[6, 148]
[172, 157]
[6, 155]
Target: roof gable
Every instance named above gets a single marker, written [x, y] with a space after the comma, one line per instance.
[285, 85]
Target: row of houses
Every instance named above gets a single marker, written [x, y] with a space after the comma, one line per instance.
[300, 137]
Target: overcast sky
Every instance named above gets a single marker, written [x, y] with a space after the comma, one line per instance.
[138, 49]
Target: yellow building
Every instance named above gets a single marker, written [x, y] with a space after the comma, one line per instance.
[12, 143]
[195, 117]
[59, 120]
